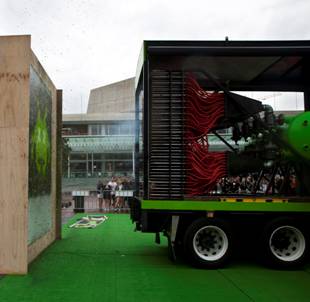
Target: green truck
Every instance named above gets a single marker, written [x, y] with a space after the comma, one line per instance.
[218, 172]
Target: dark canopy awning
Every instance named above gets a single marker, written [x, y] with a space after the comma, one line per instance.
[239, 65]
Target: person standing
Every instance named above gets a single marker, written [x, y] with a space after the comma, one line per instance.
[100, 194]
[113, 184]
[119, 204]
[107, 198]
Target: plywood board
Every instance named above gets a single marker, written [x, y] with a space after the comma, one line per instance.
[14, 95]
[35, 249]
[24, 236]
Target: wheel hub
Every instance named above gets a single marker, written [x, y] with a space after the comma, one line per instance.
[287, 243]
[281, 241]
[210, 243]
[207, 241]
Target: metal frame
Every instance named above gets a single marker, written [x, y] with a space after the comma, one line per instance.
[152, 49]
[146, 132]
[137, 140]
[240, 48]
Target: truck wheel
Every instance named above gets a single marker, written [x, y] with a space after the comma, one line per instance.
[284, 242]
[207, 243]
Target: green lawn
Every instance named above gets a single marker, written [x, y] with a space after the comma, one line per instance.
[114, 263]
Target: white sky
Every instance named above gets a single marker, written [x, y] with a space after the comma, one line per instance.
[83, 44]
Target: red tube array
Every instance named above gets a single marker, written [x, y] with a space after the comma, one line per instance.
[203, 110]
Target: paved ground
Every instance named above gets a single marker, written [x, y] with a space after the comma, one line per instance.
[113, 263]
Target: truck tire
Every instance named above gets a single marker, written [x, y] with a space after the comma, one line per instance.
[284, 244]
[207, 243]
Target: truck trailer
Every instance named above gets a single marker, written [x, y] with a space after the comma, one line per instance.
[216, 170]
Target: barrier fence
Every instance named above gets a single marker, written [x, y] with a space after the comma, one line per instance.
[89, 202]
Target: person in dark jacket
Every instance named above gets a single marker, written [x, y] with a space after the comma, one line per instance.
[100, 194]
[107, 197]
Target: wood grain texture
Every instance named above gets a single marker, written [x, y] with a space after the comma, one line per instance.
[16, 58]
[14, 80]
[14, 123]
[36, 248]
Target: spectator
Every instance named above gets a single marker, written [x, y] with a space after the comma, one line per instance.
[100, 194]
[292, 188]
[107, 197]
[112, 183]
[119, 204]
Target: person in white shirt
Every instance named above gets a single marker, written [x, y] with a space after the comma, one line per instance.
[119, 204]
[113, 184]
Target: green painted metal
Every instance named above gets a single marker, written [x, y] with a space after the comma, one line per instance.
[296, 132]
[193, 205]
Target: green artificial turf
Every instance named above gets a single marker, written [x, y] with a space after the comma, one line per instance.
[114, 263]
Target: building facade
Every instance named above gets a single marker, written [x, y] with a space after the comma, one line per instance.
[101, 141]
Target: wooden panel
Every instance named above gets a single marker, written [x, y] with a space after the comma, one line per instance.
[40, 245]
[13, 201]
[14, 80]
[14, 112]
[16, 59]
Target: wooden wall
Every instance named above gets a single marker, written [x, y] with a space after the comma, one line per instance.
[16, 58]
[14, 111]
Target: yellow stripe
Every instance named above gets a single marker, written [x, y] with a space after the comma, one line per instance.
[247, 199]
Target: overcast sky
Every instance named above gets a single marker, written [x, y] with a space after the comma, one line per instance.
[91, 43]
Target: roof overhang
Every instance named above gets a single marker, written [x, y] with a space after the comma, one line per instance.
[94, 118]
[239, 65]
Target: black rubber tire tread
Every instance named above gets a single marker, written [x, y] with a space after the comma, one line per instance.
[189, 252]
[271, 260]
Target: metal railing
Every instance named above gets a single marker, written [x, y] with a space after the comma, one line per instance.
[88, 202]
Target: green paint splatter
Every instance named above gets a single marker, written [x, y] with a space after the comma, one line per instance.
[40, 147]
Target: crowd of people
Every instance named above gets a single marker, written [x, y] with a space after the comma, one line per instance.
[109, 194]
[247, 184]
[110, 197]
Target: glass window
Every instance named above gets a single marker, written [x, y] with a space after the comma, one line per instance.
[117, 156]
[113, 129]
[123, 156]
[109, 166]
[78, 169]
[95, 129]
[81, 166]
[78, 130]
[99, 156]
[98, 166]
[123, 167]
[103, 130]
[126, 129]
[106, 156]
[89, 168]
[78, 156]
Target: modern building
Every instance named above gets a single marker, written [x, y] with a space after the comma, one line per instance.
[101, 140]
